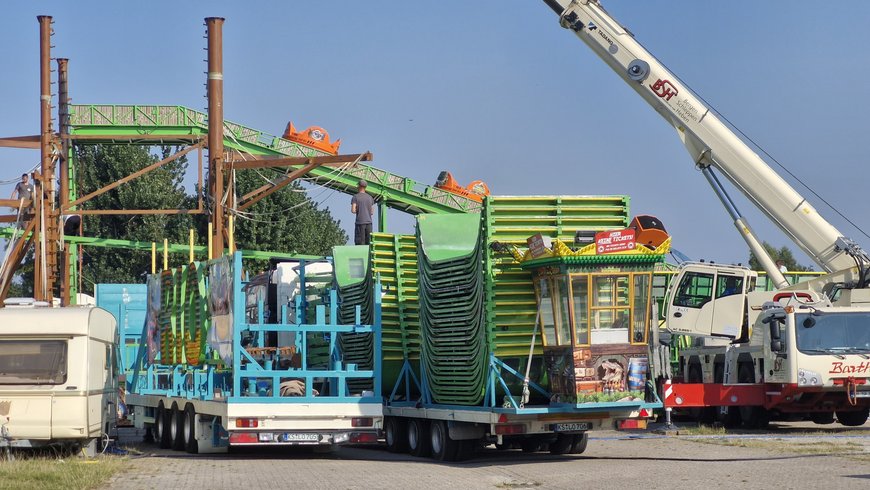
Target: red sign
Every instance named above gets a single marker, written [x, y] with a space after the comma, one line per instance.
[614, 241]
[539, 245]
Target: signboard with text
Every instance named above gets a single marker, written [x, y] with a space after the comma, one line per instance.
[539, 245]
[614, 241]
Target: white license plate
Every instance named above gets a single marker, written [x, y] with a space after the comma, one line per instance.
[571, 427]
[300, 437]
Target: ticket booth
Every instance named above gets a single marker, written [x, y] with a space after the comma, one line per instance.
[594, 317]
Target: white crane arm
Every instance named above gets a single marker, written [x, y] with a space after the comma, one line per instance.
[708, 140]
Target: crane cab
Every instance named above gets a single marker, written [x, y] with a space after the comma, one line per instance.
[709, 300]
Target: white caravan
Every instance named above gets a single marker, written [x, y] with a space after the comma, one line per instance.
[58, 381]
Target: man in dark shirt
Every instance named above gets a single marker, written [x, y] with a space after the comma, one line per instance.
[363, 206]
[23, 189]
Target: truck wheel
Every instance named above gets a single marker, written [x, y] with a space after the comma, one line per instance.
[189, 432]
[702, 415]
[396, 434]
[530, 445]
[161, 425]
[443, 448]
[580, 443]
[853, 418]
[562, 444]
[822, 418]
[418, 438]
[754, 417]
[176, 428]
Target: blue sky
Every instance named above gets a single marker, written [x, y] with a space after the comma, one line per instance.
[491, 90]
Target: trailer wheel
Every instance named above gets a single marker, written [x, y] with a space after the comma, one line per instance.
[822, 418]
[854, 418]
[189, 432]
[396, 434]
[443, 447]
[418, 438]
[580, 443]
[176, 428]
[161, 425]
[531, 445]
[562, 444]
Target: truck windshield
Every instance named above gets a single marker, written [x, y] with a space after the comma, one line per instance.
[833, 333]
[32, 362]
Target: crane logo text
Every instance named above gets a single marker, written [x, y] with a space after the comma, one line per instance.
[664, 89]
[839, 368]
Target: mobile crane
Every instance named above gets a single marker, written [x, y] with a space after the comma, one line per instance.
[803, 349]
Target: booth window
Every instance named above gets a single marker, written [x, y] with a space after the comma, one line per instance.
[640, 308]
[610, 309]
[580, 295]
[553, 305]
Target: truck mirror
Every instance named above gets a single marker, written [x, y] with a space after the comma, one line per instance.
[774, 330]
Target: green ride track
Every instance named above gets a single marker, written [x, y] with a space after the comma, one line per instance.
[159, 124]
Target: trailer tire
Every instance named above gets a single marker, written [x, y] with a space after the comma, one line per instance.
[176, 428]
[531, 445]
[822, 418]
[580, 443]
[396, 434]
[418, 438]
[161, 425]
[443, 447]
[562, 444]
[189, 430]
[853, 418]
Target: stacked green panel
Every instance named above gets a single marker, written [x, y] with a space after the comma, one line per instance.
[354, 287]
[455, 353]
[394, 262]
[511, 304]
[509, 294]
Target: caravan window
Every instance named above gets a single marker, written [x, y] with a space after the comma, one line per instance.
[30, 362]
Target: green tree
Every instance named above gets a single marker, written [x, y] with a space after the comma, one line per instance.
[162, 188]
[783, 253]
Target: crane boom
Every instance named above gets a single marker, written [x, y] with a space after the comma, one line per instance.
[710, 142]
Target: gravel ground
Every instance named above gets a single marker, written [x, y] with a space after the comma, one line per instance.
[795, 455]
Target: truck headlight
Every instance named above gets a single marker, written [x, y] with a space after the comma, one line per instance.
[809, 378]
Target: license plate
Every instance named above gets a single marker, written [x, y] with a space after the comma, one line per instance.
[300, 437]
[571, 427]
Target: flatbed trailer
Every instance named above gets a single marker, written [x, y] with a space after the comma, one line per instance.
[206, 386]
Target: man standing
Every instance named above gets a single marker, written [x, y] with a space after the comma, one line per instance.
[363, 206]
[24, 190]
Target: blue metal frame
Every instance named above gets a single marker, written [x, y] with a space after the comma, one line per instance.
[490, 403]
[250, 372]
[245, 380]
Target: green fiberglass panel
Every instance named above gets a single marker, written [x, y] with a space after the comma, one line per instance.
[447, 237]
[351, 264]
[511, 302]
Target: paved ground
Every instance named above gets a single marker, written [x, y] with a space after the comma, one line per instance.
[780, 458]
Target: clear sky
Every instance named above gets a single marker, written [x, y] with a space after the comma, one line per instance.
[491, 90]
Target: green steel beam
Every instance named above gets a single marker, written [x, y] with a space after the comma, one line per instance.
[117, 123]
[175, 248]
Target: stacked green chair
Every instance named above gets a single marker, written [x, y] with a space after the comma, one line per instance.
[452, 312]
[354, 287]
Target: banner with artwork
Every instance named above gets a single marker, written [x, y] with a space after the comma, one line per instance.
[152, 331]
[220, 303]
